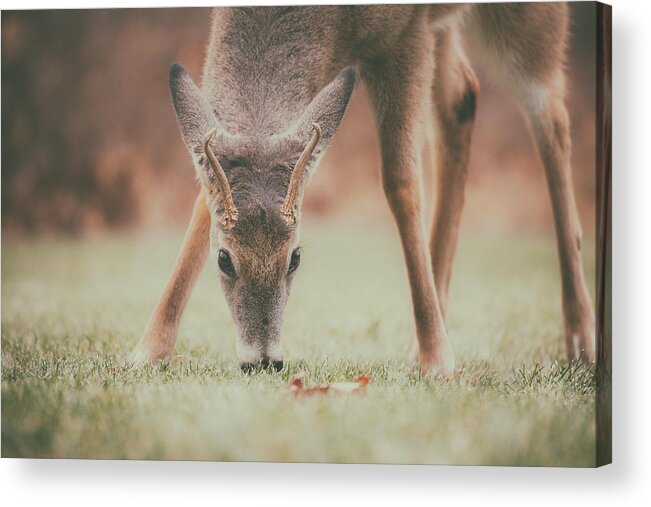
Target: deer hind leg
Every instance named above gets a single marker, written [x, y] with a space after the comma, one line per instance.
[399, 101]
[159, 339]
[454, 95]
[549, 123]
[529, 64]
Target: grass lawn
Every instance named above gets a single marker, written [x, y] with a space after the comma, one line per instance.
[73, 309]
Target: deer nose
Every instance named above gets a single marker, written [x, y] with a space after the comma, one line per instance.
[277, 365]
[265, 363]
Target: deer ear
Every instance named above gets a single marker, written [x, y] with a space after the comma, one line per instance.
[327, 109]
[195, 118]
[193, 112]
[318, 124]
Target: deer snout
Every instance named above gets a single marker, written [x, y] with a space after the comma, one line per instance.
[256, 356]
[259, 320]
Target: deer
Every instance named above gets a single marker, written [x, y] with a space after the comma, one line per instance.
[275, 87]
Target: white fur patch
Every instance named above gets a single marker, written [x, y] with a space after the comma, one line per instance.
[451, 20]
[248, 353]
[537, 98]
[251, 353]
[275, 351]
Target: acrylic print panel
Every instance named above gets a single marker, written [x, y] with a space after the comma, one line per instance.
[439, 303]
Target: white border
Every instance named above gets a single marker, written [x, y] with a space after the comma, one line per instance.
[99, 483]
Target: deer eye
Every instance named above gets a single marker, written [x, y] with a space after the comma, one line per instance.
[225, 263]
[295, 261]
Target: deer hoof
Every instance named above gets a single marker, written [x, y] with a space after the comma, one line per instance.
[145, 354]
[441, 364]
[580, 345]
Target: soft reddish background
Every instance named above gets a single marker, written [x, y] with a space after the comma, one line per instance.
[89, 139]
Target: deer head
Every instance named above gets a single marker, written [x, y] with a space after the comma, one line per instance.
[254, 188]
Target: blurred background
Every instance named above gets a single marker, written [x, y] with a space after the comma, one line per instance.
[90, 142]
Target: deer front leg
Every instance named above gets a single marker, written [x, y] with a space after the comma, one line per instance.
[402, 190]
[159, 339]
[398, 106]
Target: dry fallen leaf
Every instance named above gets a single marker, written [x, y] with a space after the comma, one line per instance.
[358, 386]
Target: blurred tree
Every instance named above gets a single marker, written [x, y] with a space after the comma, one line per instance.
[85, 111]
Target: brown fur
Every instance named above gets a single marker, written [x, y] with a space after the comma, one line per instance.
[266, 80]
